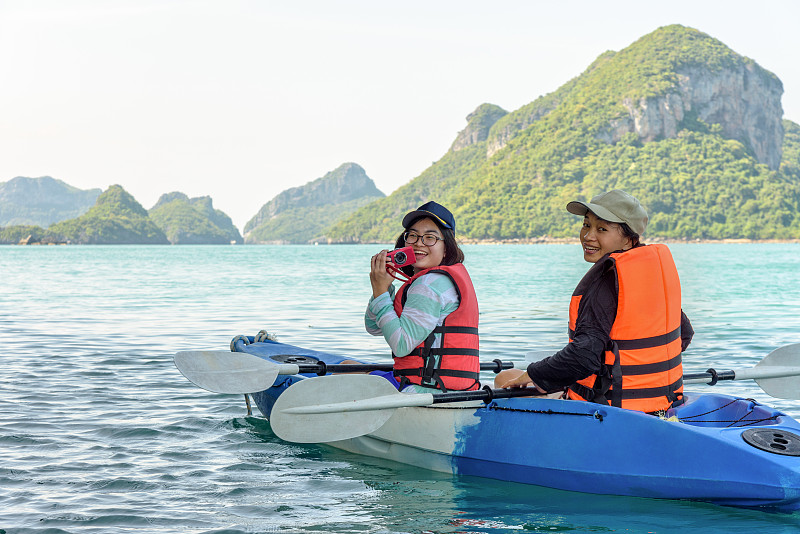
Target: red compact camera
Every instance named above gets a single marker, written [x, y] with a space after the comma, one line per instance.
[402, 257]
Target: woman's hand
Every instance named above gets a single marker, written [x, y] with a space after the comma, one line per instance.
[379, 277]
[522, 380]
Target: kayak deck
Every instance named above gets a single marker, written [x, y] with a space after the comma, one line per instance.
[713, 448]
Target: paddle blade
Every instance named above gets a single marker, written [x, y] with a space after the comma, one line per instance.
[226, 372]
[327, 427]
[785, 387]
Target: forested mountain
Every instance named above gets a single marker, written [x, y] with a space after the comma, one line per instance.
[115, 219]
[192, 221]
[679, 120]
[42, 201]
[301, 214]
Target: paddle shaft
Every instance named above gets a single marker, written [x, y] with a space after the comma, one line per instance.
[711, 376]
[399, 400]
[486, 394]
[321, 368]
[241, 372]
[407, 400]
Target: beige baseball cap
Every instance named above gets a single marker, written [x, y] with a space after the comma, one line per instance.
[614, 206]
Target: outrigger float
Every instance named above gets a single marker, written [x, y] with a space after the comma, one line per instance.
[715, 448]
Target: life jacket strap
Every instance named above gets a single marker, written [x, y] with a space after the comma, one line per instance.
[597, 395]
[650, 368]
[426, 350]
[590, 394]
[444, 329]
[443, 372]
[598, 392]
[670, 391]
[649, 342]
[431, 373]
[446, 351]
[429, 363]
[642, 343]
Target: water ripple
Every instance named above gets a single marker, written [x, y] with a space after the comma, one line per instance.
[99, 433]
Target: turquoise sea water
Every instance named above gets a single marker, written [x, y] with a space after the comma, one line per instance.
[100, 433]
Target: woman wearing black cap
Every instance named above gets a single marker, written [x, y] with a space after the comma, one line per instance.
[626, 326]
[431, 322]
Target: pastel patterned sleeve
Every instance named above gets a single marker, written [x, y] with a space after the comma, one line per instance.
[370, 319]
[428, 301]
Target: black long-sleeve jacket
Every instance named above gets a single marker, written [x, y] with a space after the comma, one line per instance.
[585, 355]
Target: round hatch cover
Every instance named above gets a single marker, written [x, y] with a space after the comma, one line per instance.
[773, 440]
[296, 359]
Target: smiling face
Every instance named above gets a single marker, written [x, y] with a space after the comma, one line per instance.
[427, 256]
[600, 237]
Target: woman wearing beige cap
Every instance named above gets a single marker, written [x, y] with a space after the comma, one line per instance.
[626, 326]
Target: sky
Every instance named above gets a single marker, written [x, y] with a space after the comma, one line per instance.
[242, 99]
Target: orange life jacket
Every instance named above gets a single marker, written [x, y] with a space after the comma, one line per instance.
[456, 364]
[643, 369]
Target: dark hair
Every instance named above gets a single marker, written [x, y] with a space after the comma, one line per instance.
[452, 252]
[629, 233]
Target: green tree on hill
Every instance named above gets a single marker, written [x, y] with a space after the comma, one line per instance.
[190, 221]
[677, 119]
[115, 219]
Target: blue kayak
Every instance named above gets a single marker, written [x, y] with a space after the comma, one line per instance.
[714, 448]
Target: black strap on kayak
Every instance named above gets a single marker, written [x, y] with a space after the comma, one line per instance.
[739, 422]
[594, 415]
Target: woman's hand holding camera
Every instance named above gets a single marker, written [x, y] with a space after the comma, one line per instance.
[379, 277]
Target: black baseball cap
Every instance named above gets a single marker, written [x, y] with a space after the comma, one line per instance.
[433, 210]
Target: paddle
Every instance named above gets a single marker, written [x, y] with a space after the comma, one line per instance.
[240, 372]
[776, 374]
[321, 409]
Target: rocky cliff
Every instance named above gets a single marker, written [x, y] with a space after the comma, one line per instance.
[673, 79]
[479, 122]
[744, 100]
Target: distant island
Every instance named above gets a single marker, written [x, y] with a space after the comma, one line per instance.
[303, 214]
[193, 221]
[678, 119]
[118, 219]
[42, 201]
[115, 219]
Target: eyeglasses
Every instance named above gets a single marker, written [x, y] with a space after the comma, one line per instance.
[427, 239]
